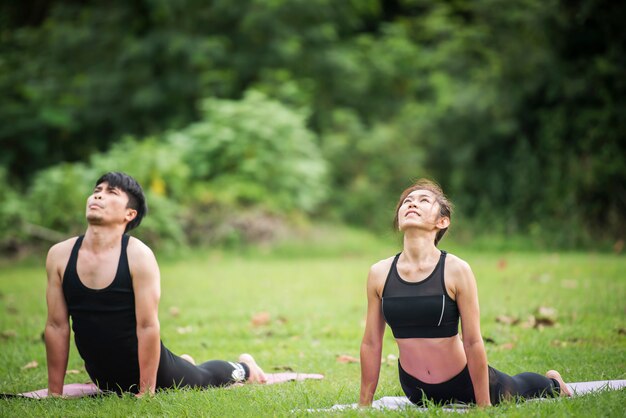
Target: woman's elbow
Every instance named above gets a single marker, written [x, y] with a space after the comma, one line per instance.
[471, 341]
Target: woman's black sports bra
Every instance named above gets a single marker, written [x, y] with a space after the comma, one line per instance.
[419, 309]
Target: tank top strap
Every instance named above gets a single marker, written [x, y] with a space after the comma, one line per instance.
[123, 277]
[70, 269]
[392, 270]
[441, 267]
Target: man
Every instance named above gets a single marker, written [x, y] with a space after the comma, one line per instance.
[109, 283]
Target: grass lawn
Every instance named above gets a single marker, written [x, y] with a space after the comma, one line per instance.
[316, 303]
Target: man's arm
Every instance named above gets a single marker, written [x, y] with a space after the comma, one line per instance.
[57, 331]
[147, 287]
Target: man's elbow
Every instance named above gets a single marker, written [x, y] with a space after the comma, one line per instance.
[57, 327]
[148, 327]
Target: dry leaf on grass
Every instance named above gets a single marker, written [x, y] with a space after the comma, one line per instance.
[391, 359]
[502, 264]
[566, 343]
[569, 284]
[8, 334]
[184, 330]
[283, 368]
[73, 371]
[174, 311]
[30, 365]
[344, 358]
[545, 316]
[507, 346]
[507, 320]
[260, 318]
[618, 246]
[530, 322]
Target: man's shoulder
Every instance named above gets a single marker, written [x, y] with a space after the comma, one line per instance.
[137, 249]
[137, 245]
[63, 247]
[60, 252]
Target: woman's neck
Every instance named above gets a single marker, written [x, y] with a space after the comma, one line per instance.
[419, 247]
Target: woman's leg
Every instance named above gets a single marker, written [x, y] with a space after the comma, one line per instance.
[564, 389]
[524, 385]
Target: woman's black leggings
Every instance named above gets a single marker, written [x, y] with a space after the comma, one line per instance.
[459, 389]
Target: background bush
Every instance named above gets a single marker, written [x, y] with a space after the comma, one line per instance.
[236, 176]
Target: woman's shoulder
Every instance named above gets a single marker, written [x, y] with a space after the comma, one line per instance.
[382, 266]
[456, 265]
[378, 275]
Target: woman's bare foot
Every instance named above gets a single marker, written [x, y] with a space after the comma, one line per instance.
[188, 358]
[553, 374]
[256, 373]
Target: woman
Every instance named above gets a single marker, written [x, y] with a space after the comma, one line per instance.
[421, 293]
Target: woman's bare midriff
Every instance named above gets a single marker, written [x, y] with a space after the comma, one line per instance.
[432, 360]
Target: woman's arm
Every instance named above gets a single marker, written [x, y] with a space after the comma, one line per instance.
[467, 301]
[372, 343]
[147, 288]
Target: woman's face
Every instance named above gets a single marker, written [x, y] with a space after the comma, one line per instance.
[419, 209]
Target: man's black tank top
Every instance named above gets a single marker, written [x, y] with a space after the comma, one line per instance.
[104, 323]
[419, 309]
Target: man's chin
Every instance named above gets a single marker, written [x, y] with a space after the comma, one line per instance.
[94, 220]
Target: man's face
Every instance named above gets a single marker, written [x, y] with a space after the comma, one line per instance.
[108, 205]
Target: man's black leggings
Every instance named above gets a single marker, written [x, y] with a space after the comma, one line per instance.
[459, 389]
[173, 372]
[177, 372]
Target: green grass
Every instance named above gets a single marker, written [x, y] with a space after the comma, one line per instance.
[315, 296]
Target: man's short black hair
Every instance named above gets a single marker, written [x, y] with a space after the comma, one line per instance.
[136, 198]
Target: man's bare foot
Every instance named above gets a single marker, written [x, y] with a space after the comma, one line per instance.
[553, 374]
[188, 358]
[256, 373]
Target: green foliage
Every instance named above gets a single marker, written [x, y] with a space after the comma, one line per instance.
[11, 212]
[252, 152]
[57, 198]
[230, 178]
[369, 168]
[516, 108]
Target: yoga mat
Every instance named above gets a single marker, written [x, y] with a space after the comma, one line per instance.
[79, 390]
[397, 402]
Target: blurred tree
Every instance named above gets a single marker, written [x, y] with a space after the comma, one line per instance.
[517, 108]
